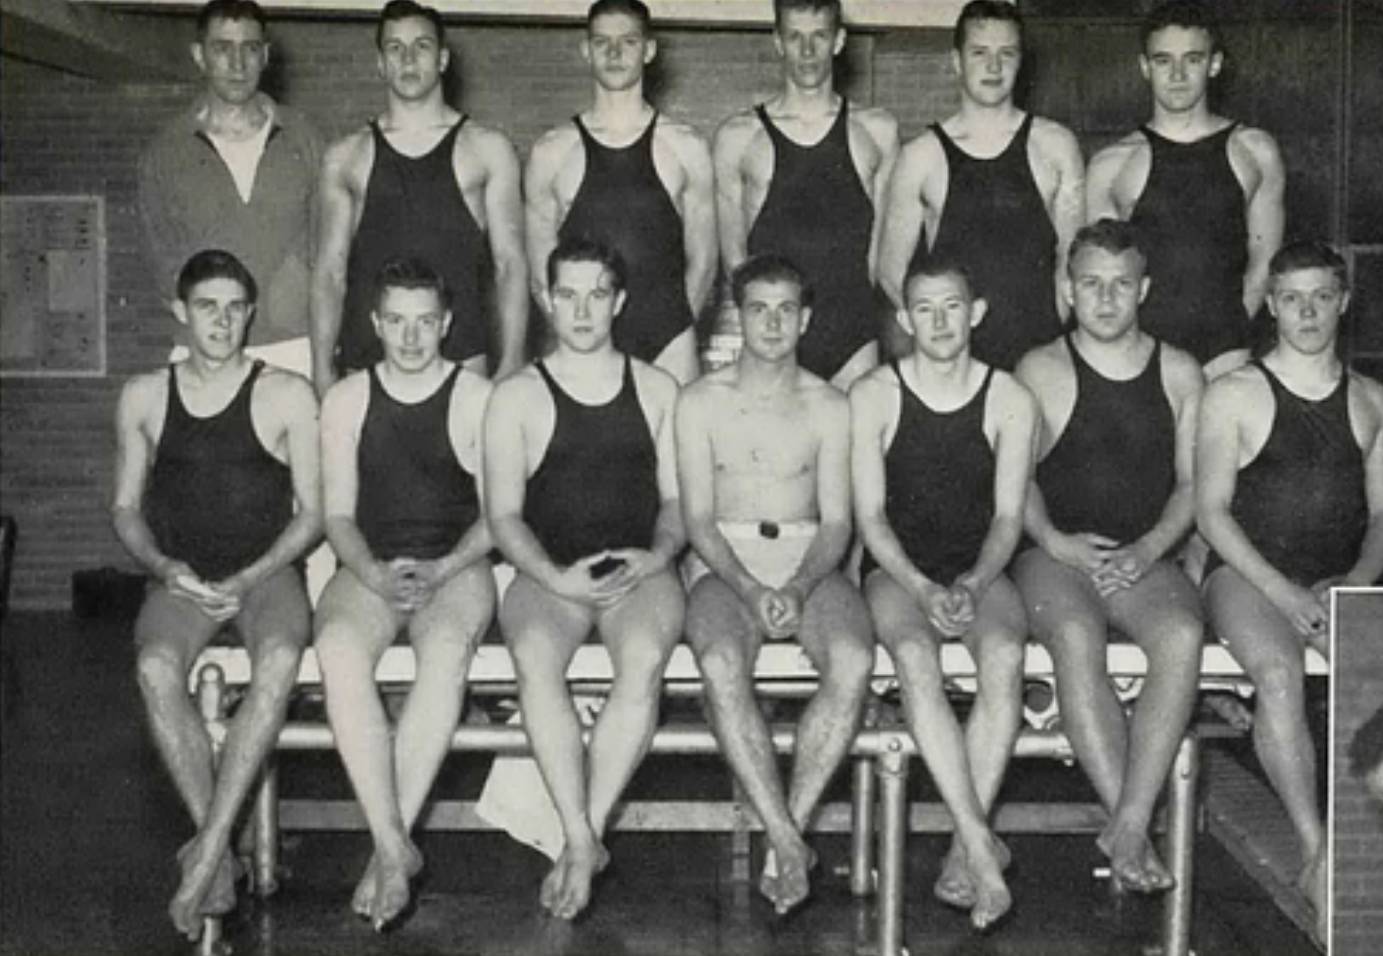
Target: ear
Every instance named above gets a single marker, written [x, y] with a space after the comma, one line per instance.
[806, 320]
[268, 52]
[1270, 301]
[1143, 286]
[778, 43]
[979, 308]
[179, 310]
[838, 43]
[586, 49]
[650, 51]
[904, 319]
[1344, 302]
[620, 298]
[1068, 290]
[374, 321]
[198, 53]
[955, 61]
[443, 58]
[1144, 66]
[1217, 62]
[446, 323]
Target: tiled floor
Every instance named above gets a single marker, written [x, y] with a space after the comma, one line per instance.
[90, 826]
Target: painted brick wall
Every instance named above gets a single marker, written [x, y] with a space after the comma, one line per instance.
[65, 135]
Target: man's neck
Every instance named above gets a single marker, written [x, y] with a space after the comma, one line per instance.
[427, 113]
[234, 120]
[763, 379]
[982, 117]
[412, 385]
[1126, 351]
[942, 377]
[1304, 369]
[211, 372]
[585, 364]
[1184, 125]
[809, 101]
[619, 109]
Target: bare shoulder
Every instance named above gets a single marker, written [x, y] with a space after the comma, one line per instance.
[1120, 153]
[1043, 365]
[555, 144]
[820, 396]
[472, 388]
[347, 395]
[680, 135]
[877, 381]
[144, 393]
[1012, 396]
[1054, 140]
[487, 143]
[1180, 370]
[655, 383]
[879, 123]
[287, 389]
[1236, 391]
[512, 396]
[1370, 391]
[349, 152]
[1257, 145]
[735, 133]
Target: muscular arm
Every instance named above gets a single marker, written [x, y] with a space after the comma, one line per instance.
[1067, 206]
[883, 129]
[334, 230]
[542, 207]
[1101, 200]
[465, 420]
[1186, 383]
[698, 220]
[1014, 439]
[343, 412]
[824, 554]
[669, 534]
[731, 141]
[1369, 567]
[902, 216]
[134, 459]
[1265, 216]
[504, 217]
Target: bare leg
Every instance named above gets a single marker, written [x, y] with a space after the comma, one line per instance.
[275, 625]
[1272, 655]
[726, 641]
[354, 628]
[543, 631]
[973, 876]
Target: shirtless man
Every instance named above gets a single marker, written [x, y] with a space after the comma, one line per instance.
[942, 457]
[763, 456]
[801, 176]
[580, 460]
[1110, 500]
[401, 463]
[1205, 192]
[421, 181]
[1289, 494]
[237, 171]
[638, 182]
[213, 456]
[997, 188]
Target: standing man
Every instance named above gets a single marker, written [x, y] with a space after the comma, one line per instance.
[422, 181]
[801, 176]
[1205, 193]
[1111, 499]
[1289, 488]
[997, 189]
[942, 457]
[580, 460]
[401, 461]
[637, 181]
[213, 455]
[237, 172]
[763, 456]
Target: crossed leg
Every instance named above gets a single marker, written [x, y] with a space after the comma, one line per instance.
[968, 767]
[170, 633]
[1273, 656]
[835, 634]
[1126, 760]
[392, 772]
[543, 631]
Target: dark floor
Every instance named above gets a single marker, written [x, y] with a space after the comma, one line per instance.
[90, 825]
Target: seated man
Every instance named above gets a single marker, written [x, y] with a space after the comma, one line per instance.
[1111, 500]
[942, 456]
[1289, 493]
[213, 457]
[579, 459]
[401, 470]
[763, 458]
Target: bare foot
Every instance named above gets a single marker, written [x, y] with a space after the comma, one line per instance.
[786, 879]
[985, 865]
[1314, 884]
[392, 890]
[579, 865]
[1134, 862]
[363, 900]
[956, 886]
[207, 887]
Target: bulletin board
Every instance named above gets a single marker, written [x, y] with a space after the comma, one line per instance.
[52, 286]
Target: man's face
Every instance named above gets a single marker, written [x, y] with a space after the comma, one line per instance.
[808, 41]
[988, 61]
[411, 324]
[411, 57]
[940, 314]
[1178, 63]
[217, 313]
[1308, 304]
[773, 318]
[232, 57]
[583, 302]
[618, 50]
[1105, 289]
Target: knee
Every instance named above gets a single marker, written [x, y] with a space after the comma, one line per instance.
[338, 651]
[848, 665]
[276, 665]
[723, 661]
[1000, 663]
[641, 666]
[161, 671]
[1279, 682]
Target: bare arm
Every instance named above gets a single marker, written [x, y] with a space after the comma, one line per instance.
[343, 412]
[884, 129]
[1014, 440]
[1101, 202]
[902, 216]
[1183, 377]
[1265, 216]
[1067, 209]
[542, 207]
[698, 221]
[731, 141]
[504, 218]
[832, 421]
[464, 424]
[134, 459]
[334, 230]
[1369, 567]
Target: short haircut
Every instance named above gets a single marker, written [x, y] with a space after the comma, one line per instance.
[935, 267]
[1108, 235]
[396, 10]
[1308, 254]
[215, 264]
[410, 272]
[634, 9]
[768, 268]
[782, 7]
[229, 10]
[586, 249]
[977, 11]
[1187, 14]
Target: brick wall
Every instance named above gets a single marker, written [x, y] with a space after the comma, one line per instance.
[63, 134]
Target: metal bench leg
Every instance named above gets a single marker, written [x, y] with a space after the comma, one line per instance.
[862, 828]
[211, 704]
[266, 831]
[1181, 848]
[893, 831]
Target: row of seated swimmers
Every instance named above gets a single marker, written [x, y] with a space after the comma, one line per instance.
[587, 492]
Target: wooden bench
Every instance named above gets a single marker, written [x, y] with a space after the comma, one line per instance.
[878, 817]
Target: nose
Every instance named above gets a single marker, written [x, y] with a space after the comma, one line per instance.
[1178, 70]
[994, 65]
[1108, 292]
[410, 333]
